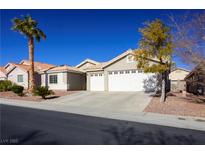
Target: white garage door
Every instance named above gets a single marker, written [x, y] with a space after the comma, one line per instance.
[97, 82]
[126, 80]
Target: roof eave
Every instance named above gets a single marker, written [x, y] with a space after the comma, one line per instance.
[87, 60]
[61, 71]
[93, 70]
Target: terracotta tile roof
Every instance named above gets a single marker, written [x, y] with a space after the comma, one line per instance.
[2, 69]
[64, 68]
[38, 65]
[24, 67]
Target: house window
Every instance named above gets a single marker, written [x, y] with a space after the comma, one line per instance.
[53, 79]
[100, 74]
[133, 71]
[110, 73]
[121, 72]
[96, 74]
[115, 72]
[127, 72]
[19, 78]
[140, 71]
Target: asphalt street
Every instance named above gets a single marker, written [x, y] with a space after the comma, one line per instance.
[19, 125]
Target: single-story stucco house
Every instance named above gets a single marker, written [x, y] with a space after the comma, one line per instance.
[118, 74]
[177, 79]
[19, 73]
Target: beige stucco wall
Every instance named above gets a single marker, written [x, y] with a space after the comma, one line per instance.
[43, 80]
[12, 76]
[121, 64]
[66, 81]
[178, 75]
[88, 81]
[61, 83]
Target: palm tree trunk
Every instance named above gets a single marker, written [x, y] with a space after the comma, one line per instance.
[31, 70]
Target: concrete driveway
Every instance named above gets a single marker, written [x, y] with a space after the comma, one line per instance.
[131, 102]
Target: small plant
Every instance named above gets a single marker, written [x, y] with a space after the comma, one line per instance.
[5, 85]
[17, 89]
[43, 91]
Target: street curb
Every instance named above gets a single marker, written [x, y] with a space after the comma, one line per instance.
[142, 117]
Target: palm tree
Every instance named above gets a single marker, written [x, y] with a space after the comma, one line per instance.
[28, 27]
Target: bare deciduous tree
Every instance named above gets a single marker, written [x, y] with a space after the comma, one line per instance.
[189, 37]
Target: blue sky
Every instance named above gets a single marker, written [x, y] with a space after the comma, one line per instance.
[74, 35]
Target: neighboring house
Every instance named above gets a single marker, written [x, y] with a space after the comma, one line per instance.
[3, 73]
[63, 78]
[118, 74]
[195, 81]
[177, 79]
[19, 73]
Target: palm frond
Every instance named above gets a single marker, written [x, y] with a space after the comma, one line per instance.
[28, 27]
[41, 34]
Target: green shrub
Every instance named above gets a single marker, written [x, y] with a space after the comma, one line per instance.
[5, 85]
[43, 91]
[17, 89]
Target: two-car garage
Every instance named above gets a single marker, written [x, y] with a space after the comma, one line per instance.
[125, 80]
[119, 74]
[119, 80]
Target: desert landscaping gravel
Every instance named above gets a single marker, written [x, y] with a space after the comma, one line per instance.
[176, 104]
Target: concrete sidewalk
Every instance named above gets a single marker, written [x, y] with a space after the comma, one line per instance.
[196, 123]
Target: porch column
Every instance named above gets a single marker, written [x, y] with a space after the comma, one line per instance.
[106, 80]
[88, 81]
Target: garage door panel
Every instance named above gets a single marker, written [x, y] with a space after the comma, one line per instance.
[126, 81]
[97, 83]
